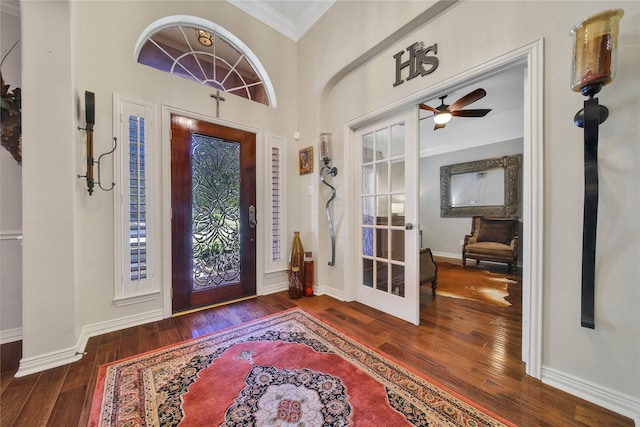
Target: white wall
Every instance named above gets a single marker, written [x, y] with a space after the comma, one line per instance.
[10, 200]
[607, 357]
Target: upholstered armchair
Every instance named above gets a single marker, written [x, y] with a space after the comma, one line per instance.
[428, 269]
[492, 239]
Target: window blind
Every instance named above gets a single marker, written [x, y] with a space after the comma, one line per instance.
[137, 200]
[276, 206]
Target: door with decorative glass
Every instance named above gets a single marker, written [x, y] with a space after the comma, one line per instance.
[388, 214]
[213, 218]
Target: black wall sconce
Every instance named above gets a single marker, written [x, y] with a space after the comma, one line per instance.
[325, 156]
[595, 41]
[90, 113]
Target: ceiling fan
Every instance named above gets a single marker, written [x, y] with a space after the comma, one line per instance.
[443, 113]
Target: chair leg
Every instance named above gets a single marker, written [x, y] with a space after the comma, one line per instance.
[434, 285]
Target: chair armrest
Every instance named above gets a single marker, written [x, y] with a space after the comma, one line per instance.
[469, 239]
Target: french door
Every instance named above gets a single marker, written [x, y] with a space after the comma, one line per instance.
[388, 215]
[213, 219]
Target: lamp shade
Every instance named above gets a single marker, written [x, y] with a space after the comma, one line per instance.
[442, 118]
[595, 42]
[325, 147]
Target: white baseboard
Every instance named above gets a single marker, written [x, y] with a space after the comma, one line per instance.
[10, 335]
[332, 292]
[272, 289]
[447, 254]
[615, 401]
[318, 290]
[42, 362]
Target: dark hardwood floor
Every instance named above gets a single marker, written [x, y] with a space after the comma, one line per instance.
[471, 348]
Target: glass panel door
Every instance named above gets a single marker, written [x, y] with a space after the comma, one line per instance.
[213, 198]
[388, 205]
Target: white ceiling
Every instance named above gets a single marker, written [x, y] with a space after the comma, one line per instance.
[293, 18]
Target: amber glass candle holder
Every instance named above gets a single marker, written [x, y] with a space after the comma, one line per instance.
[594, 53]
[325, 147]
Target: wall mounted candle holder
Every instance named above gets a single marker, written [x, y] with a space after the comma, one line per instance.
[325, 156]
[595, 41]
[89, 101]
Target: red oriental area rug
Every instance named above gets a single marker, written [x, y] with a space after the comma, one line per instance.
[288, 369]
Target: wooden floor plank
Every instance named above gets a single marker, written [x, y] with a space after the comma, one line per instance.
[39, 405]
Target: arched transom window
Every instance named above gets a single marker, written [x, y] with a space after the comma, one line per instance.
[199, 50]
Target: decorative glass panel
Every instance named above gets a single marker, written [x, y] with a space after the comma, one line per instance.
[397, 140]
[367, 273]
[397, 176]
[382, 276]
[213, 58]
[397, 277]
[215, 211]
[382, 177]
[382, 210]
[367, 241]
[367, 148]
[367, 179]
[382, 144]
[397, 245]
[382, 243]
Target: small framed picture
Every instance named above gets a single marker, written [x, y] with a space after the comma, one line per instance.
[305, 160]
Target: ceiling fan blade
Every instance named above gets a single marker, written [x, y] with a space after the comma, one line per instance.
[467, 99]
[471, 113]
[439, 126]
[426, 107]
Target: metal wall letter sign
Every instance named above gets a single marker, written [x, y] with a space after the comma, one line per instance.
[418, 58]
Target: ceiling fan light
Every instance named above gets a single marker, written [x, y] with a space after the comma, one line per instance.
[442, 118]
[204, 38]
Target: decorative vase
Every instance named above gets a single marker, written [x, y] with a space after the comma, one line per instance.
[296, 290]
[308, 274]
[296, 256]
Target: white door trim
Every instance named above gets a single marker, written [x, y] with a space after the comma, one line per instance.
[532, 55]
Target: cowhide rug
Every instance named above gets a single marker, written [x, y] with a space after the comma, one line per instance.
[473, 283]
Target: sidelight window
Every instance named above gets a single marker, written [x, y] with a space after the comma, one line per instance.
[136, 279]
[276, 205]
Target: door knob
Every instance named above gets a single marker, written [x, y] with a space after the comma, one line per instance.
[252, 216]
[408, 226]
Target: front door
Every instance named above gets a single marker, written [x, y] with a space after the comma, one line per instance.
[213, 225]
[388, 214]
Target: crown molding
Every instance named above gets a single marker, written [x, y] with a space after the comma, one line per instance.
[280, 22]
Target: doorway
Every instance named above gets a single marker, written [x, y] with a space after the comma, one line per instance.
[532, 196]
[213, 213]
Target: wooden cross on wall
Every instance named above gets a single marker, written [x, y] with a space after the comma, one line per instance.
[218, 99]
